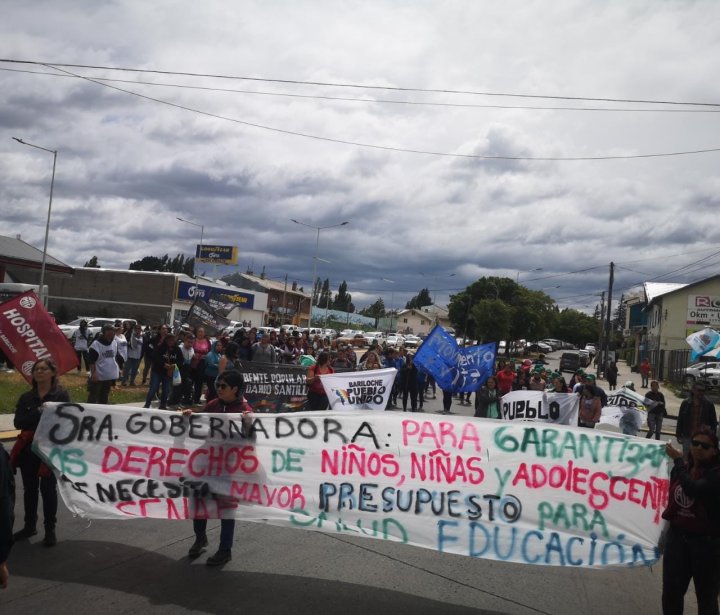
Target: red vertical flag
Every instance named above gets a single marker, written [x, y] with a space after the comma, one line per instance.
[28, 333]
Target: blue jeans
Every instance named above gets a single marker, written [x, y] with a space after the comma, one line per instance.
[227, 531]
[159, 381]
[130, 370]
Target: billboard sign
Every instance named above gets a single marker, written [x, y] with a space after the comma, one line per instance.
[187, 291]
[217, 255]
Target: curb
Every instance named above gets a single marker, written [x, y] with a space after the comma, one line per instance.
[7, 436]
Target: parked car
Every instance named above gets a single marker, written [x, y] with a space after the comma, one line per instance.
[538, 347]
[584, 357]
[395, 340]
[553, 343]
[706, 372]
[94, 325]
[372, 336]
[412, 341]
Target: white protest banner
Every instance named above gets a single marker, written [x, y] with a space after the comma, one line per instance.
[625, 401]
[561, 408]
[367, 390]
[520, 492]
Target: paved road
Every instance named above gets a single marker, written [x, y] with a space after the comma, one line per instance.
[133, 566]
[137, 565]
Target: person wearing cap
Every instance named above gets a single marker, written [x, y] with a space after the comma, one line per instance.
[695, 411]
[599, 392]
[104, 365]
[536, 382]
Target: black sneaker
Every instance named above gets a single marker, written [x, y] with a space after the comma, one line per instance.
[223, 556]
[24, 533]
[50, 539]
[198, 546]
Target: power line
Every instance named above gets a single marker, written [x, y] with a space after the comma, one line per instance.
[361, 86]
[363, 100]
[383, 147]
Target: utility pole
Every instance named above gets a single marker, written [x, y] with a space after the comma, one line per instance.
[600, 335]
[608, 315]
[284, 319]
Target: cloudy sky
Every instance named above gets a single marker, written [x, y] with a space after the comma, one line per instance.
[220, 151]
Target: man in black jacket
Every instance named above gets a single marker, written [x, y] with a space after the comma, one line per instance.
[694, 412]
[7, 507]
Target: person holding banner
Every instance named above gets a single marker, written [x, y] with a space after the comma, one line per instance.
[36, 476]
[230, 399]
[692, 541]
[487, 400]
[316, 396]
[590, 407]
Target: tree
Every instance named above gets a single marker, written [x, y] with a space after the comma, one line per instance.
[575, 327]
[531, 312]
[178, 264]
[93, 262]
[317, 285]
[491, 320]
[325, 295]
[420, 300]
[343, 299]
[375, 310]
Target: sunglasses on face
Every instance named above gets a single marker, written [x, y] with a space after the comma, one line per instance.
[703, 445]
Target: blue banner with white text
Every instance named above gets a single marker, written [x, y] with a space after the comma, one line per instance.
[460, 370]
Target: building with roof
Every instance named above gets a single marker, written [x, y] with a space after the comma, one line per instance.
[287, 303]
[149, 297]
[661, 317]
[421, 321]
[20, 262]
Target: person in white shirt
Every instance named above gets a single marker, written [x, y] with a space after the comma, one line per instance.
[104, 365]
[134, 350]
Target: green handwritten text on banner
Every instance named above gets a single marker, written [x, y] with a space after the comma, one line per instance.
[533, 493]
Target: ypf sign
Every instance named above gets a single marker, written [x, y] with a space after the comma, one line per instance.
[28, 333]
[703, 310]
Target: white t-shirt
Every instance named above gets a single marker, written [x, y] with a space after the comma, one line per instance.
[106, 367]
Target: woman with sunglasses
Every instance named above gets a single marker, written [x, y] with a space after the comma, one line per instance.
[230, 400]
[692, 542]
[36, 476]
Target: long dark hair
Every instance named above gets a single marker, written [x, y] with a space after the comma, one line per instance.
[231, 351]
[322, 359]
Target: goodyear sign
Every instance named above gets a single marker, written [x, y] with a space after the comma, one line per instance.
[187, 291]
[218, 255]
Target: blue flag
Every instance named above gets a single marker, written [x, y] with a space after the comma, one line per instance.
[455, 369]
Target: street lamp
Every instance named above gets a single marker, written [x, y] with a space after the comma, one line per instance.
[517, 277]
[43, 297]
[315, 260]
[202, 234]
